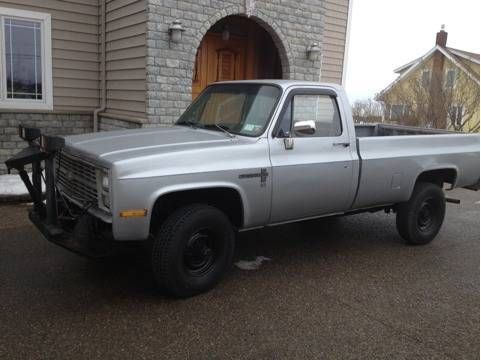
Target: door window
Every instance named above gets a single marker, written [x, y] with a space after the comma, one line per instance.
[321, 109]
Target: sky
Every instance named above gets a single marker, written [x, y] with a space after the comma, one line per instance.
[387, 34]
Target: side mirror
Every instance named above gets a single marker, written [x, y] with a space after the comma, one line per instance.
[288, 143]
[306, 127]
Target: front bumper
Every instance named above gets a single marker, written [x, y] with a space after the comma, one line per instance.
[84, 235]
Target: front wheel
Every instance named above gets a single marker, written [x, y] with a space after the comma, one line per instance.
[192, 250]
[418, 220]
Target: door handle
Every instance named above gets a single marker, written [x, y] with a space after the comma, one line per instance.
[343, 144]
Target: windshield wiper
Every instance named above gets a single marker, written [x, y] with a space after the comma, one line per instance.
[221, 127]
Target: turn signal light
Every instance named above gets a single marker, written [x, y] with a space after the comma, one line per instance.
[133, 213]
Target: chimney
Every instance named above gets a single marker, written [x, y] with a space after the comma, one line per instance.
[442, 37]
[436, 108]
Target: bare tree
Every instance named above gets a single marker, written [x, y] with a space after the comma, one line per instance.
[461, 104]
[367, 111]
[435, 101]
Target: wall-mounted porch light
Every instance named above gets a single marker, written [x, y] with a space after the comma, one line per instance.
[313, 51]
[175, 31]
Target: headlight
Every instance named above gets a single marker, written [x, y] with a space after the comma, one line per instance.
[105, 181]
[105, 190]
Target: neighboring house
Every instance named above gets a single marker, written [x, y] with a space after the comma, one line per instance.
[82, 65]
[439, 89]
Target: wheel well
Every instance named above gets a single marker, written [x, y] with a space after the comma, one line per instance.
[438, 176]
[225, 199]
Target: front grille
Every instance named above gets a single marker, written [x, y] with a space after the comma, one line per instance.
[77, 179]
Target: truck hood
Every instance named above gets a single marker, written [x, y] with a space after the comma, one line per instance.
[112, 146]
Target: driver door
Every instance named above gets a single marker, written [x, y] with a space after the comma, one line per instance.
[315, 176]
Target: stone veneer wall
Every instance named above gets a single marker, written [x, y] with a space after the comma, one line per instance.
[50, 123]
[293, 25]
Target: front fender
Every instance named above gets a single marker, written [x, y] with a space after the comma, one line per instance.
[198, 186]
[143, 194]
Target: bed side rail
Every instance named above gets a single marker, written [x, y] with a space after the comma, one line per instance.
[365, 130]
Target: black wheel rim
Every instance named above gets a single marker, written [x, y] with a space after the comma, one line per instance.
[200, 253]
[426, 215]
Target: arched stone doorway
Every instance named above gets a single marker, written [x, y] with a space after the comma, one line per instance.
[235, 48]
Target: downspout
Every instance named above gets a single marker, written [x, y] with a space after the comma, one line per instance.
[346, 42]
[103, 86]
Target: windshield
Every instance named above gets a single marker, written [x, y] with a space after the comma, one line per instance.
[242, 109]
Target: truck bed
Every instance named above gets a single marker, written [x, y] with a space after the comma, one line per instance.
[393, 156]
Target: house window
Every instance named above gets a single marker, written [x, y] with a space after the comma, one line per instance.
[397, 111]
[387, 111]
[450, 78]
[456, 115]
[25, 52]
[425, 78]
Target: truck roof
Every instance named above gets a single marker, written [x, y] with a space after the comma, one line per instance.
[282, 83]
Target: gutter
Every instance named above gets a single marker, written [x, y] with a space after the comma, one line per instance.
[346, 43]
[103, 87]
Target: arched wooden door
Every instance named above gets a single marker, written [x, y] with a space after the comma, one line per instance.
[248, 52]
[220, 60]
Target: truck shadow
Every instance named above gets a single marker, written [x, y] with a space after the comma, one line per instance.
[288, 246]
[320, 237]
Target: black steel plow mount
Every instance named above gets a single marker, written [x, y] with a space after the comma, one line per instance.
[50, 213]
[41, 148]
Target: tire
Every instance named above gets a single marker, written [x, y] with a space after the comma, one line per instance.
[419, 220]
[192, 250]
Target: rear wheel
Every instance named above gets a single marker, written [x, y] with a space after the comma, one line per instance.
[419, 220]
[192, 250]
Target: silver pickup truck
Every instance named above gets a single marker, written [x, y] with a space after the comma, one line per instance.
[244, 155]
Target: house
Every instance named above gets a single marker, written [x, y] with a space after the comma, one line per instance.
[86, 65]
[440, 89]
